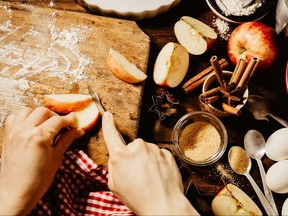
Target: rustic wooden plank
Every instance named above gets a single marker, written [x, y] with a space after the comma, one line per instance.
[44, 50]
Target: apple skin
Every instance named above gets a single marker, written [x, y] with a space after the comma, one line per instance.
[226, 202]
[122, 68]
[66, 103]
[286, 79]
[85, 109]
[196, 36]
[253, 40]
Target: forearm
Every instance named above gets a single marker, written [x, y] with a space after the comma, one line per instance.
[8, 208]
[12, 205]
[174, 205]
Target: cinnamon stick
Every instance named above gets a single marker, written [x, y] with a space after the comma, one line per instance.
[254, 70]
[238, 72]
[199, 78]
[248, 73]
[212, 92]
[210, 99]
[217, 69]
[230, 109]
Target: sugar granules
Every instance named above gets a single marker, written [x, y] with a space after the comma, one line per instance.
[226, 173]
[199, 140]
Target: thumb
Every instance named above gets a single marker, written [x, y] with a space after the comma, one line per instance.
[66, 139]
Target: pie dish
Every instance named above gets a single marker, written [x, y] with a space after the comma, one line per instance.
[260, 12]
[130, 9]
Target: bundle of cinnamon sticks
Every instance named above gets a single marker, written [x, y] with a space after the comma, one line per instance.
[229, 93]
[197, 80]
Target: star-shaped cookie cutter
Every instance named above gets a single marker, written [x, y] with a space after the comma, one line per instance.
[162, 105]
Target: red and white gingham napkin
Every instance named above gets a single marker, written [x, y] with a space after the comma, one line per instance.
[80, 188]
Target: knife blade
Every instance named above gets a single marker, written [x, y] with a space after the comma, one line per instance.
[97, 101]
[101, 109]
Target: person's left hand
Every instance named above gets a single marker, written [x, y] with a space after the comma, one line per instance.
[32, 152]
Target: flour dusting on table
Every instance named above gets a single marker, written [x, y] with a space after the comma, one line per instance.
[36, 52]
[61, 57]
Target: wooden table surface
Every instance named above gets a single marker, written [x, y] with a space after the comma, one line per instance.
[206, 180]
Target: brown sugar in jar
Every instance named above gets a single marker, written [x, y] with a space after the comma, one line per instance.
[199, 140]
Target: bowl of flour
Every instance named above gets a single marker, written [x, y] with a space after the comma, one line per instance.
[240, 11]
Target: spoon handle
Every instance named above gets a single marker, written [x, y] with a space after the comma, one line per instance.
[268, 208]
[280, 120]
[267, 190]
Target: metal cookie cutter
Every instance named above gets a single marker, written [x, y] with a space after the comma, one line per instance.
[162, 105]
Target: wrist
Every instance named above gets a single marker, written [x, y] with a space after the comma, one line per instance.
[11, 205]
[180, 205]
[169, 205]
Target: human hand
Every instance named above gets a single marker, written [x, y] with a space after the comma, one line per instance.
[32, 152]
[145, 178]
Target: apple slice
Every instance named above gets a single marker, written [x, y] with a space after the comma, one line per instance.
[87, 117]
[171, 65]
[194, 35]
[66, 103]
[231, 200]
[122, 68]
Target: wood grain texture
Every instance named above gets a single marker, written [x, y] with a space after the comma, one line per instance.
[206, 180]
[47, 51]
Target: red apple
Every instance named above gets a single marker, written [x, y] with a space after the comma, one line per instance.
[287, 77]
[253, 40]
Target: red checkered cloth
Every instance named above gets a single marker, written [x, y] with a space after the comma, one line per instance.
[80, 188]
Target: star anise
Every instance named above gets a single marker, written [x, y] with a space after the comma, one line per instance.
[229, 93]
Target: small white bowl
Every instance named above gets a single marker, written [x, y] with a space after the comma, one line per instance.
[210, 80]
[130, 9]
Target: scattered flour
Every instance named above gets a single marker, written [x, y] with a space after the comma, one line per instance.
[62, 57]
[55, 53]
[10, 98]
[51, 3]
[7, 9]
[222, 28]
[239, 7]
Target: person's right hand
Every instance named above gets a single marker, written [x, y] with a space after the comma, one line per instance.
[145, 178]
